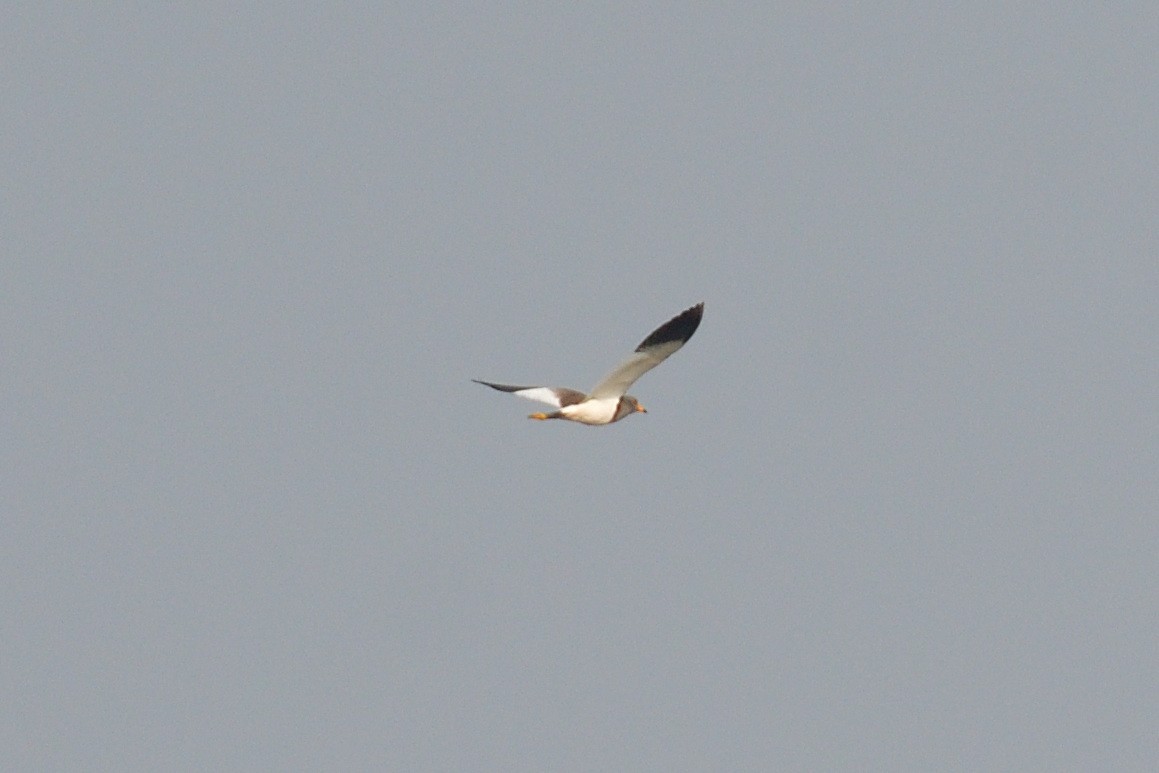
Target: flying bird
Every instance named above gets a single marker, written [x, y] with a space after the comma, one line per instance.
[608, 401]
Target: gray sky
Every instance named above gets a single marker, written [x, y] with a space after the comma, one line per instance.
[892, 508]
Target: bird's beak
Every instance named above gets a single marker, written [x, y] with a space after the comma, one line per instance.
[640, 408]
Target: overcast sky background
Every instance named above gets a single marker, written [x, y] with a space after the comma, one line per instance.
[892, 508]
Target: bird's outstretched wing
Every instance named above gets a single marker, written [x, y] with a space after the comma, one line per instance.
[656, 348]
[557, 396]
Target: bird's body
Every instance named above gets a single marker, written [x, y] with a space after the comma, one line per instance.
[608, 401]
[599, 411]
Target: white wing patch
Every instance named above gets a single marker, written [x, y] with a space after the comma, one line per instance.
[557, 396]
[541, 394]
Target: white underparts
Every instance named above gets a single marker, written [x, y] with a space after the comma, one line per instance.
[592, 411]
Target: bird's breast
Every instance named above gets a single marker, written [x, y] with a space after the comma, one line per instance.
[592, 411]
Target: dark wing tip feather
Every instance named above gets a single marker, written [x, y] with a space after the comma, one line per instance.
[500, 387]
[679, 328]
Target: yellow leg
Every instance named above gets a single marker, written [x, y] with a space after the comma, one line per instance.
[540, 416]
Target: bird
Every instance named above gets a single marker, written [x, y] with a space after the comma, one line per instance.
[608, 400]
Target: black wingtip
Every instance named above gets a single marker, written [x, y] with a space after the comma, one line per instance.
[679, 328]
[500, 387]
